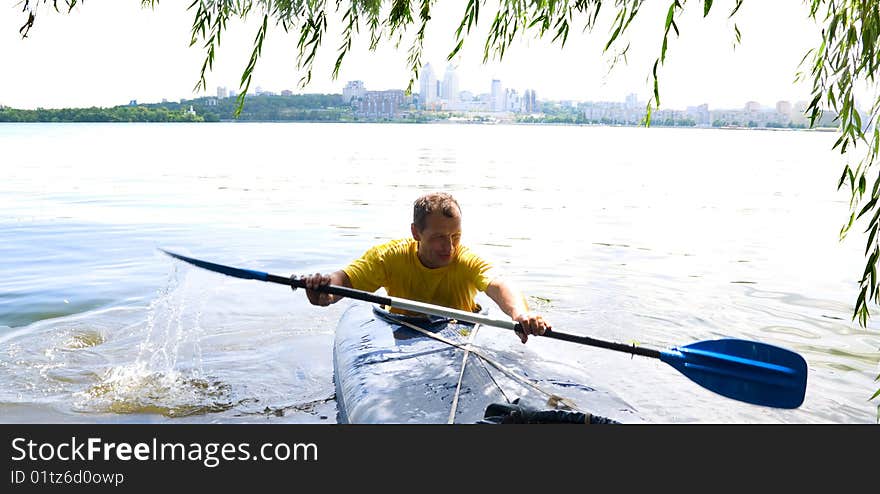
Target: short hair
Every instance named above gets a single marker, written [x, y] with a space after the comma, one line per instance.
[435, 201]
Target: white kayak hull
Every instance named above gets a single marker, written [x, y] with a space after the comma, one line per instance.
[385, 372]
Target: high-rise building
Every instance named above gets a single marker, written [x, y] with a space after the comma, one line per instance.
[699, 114]
[353, 90]
[753, 107]
[784, 108]
[428, 86]
[632, 101]
[497, 95]
[783, 112]
[512, 101]
[381, 104]
[450, 86]
[529, 105]
[222, 92]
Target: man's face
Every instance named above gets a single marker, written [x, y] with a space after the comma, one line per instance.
[439, 240]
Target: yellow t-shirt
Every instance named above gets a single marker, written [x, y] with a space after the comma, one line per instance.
[395, 265]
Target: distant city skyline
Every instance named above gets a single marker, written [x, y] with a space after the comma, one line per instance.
[701, 67]
[632, 101]
[430, 75]
[227, 91]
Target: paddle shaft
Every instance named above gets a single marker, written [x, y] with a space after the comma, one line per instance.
[460, 315]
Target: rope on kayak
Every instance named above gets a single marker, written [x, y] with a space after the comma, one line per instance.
[553, 399]
[494, 381]
[467, 352]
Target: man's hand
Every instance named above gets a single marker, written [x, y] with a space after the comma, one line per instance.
[315, 297]
[512, 302]
[532, 324]
[314, 281]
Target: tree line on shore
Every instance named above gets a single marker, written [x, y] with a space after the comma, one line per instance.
[307, 107]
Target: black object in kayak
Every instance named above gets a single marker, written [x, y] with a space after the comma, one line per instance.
[514, 413]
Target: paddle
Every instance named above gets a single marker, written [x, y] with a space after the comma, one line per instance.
[744, 370]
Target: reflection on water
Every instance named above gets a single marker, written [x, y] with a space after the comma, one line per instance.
[607, 238]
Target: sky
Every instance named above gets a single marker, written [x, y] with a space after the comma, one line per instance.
[108, 52]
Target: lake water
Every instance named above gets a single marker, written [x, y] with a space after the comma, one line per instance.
[657, 236]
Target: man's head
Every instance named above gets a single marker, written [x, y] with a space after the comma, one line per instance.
[437, 227]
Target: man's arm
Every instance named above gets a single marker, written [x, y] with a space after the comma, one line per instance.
[511, 301]
[339, 278]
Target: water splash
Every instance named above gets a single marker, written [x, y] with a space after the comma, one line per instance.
[167, 375]
[136, 389]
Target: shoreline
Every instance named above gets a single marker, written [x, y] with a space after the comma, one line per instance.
[440, 122]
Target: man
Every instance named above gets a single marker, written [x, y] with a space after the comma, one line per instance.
[430, 267]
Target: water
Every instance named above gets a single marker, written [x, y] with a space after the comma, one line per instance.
[656, 236]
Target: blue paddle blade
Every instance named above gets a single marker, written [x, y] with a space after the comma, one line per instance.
[744, 370]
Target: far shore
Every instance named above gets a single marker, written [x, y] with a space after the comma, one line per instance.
[443, 122]
[331, 108]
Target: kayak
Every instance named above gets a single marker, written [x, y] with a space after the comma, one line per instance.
[390, 368]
